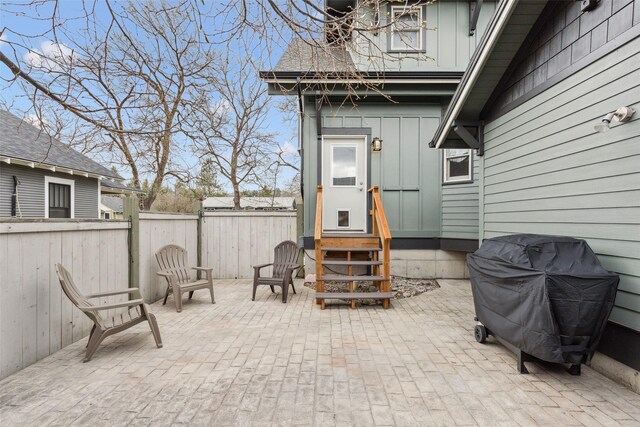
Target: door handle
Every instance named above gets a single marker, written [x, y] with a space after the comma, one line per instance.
[360, 188]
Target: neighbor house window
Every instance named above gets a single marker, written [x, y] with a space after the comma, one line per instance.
[457, 165]
[59, 197]
[406, 28]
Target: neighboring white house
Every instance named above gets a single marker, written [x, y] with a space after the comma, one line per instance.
[111, 207]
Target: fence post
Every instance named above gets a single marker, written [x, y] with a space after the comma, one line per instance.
[199, 238]
[132, 213]
[300, 232]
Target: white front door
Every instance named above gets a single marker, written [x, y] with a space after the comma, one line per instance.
[344, 181]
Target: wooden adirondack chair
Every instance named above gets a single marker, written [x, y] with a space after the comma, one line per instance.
[137, 311]
[285, 263]
[173, 261]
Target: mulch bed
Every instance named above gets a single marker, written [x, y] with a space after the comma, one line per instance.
[402, 286]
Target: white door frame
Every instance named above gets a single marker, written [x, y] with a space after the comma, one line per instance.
[365, 178]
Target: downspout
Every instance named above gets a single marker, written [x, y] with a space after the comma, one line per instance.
[301, 135]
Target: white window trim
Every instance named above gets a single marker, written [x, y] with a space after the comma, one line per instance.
[404, 9]
[446, 179]
[331, 147]
[55, 180]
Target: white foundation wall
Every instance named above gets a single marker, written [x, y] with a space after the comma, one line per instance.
[416, 263]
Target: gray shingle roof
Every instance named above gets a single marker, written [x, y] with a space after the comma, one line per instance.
[21, 140]
[306, 55]
[108, 185]
[114, 203]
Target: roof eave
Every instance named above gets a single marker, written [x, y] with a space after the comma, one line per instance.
[53, 168]
[487, 44]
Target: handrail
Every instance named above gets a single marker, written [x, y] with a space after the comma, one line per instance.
[380, 224]
[318, 246]
[380, 228]
[318, 230]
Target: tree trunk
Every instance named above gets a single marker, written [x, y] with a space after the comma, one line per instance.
[236, 195]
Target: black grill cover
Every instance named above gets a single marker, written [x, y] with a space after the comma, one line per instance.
[549, 296]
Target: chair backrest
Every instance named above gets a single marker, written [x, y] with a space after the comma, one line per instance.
[174, 259]
[285, 254]
[72, 292]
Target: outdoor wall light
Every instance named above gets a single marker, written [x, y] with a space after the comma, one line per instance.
[376, 144]
[622, 114]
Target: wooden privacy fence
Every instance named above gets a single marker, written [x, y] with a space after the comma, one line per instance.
[36, 318]
[234, 241]
[155, 231]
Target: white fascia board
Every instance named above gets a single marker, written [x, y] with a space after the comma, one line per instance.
[48, 167]
[510, 6]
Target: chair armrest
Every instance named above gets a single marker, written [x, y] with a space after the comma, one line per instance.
[203, 268]
[171, 278]
[208, 272]
[291, 268]
[165, 274]
[110, 306]
[111, 293]
[258, 267]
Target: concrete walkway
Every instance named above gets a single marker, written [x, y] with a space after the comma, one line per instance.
[262, 363]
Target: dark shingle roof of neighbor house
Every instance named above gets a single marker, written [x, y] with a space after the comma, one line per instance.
[23, 141]
[109, 186]
[308, 55]
[502, 39]
[114, 203]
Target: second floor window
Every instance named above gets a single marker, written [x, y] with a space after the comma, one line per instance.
[406, 28]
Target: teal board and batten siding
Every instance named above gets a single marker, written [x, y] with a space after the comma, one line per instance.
[448, 43]
[547, 171]
[407, 171]
[460, 207]
[31, 191]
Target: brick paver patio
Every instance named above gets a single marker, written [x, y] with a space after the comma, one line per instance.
[261, 363]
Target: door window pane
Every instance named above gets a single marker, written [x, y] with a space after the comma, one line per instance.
[343, 167]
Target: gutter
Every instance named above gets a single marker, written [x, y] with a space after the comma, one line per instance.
[301, 136]
[476, 65]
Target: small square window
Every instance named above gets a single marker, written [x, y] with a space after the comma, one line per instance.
[457, 165]
[406, 28]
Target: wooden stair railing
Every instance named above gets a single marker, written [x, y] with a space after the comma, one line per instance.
[317, 237]
[380, 228]
[354, 248]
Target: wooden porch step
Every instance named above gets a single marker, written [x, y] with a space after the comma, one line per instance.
[354, 295]
[351, 249]
[345, 262]
[338, 235]
[341, 278]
